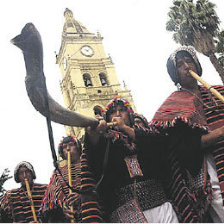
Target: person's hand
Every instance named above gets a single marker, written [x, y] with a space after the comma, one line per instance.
[95, 133]
[218, 134]
[100, 129]
[120, 124]
[214, 137]
[73, 199]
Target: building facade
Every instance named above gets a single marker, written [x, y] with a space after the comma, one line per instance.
[89, 79]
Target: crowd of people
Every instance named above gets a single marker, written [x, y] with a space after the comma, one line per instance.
[168, 170]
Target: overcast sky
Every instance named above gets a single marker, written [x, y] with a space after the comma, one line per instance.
[134, 36]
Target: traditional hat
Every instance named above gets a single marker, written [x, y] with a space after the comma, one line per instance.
[69, 138]
[171, 62]
[114, 103]
[23, 164]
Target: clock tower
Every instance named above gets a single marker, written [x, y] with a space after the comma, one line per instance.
[89, 79]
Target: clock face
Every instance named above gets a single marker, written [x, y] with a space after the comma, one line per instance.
[87, 51]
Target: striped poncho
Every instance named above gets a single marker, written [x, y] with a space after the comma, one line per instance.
[201, 116]
[16, 206]
[191, 196]
[56, 195]
[214, 113]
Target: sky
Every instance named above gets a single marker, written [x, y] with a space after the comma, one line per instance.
[134, 36]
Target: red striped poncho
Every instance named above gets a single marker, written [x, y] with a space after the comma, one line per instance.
[214, 113]
[56, 195]
[205, 114]
[16, 206]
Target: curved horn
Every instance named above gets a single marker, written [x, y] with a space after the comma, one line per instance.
[29, 41]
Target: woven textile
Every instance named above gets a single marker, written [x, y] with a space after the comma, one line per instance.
[89, 204]
[16, 207]
[214, 112]
[191, 195]
[56, 195]
[130, 212]
[180, 106]
[149, 194]
[133, 166]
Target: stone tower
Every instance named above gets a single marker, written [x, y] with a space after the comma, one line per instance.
[89, 79]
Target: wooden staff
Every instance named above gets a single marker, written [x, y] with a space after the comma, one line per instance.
[70, 182]
[31, 200]
[206, 85]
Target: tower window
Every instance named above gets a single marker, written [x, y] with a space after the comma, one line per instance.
[87, 80]
[103, 79]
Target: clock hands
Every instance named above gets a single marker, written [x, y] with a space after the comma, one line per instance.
[87, 50]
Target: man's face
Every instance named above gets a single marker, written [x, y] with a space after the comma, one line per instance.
[121, 111]
[184, 64]
[23, 174]
[73, 149]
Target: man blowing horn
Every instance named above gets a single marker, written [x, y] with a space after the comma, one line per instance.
[127, 170]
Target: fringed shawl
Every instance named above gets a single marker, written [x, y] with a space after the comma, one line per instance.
[55, 196]
[191, 202]
[180, 106]
[187, 108]
[16, 204]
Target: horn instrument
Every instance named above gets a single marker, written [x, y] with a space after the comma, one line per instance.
[206, 85]
[70, 182]
[29, 41]
[111, 123]
[31, 200]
